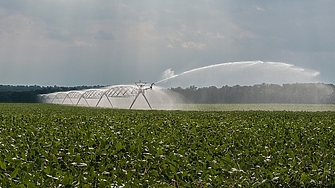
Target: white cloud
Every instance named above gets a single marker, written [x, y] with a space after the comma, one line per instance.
[258, 8]
[193, 45]
[169, 46]
[215, 36]
[81, 44]
[246, 35]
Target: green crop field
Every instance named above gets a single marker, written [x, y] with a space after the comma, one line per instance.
[61, 146]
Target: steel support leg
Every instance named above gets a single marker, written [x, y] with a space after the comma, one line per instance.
[146, 100]
[134, 101]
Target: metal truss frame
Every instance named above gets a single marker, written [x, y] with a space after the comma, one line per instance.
[116, 91]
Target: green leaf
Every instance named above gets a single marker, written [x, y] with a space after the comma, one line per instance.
[159, 151]
[92, 172]
[30, 185]
[303, 177]
[155, 173]
[173, 169]
[47, 170]
[132, 148]
[18, 186]
[118, 146]
[67, 179]
[14, 173]
[139, 127]
[2, 165]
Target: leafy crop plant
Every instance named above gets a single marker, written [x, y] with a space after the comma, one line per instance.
[45, 145]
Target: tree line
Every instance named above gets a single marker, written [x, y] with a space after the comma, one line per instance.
[298, 93]
[28, 94]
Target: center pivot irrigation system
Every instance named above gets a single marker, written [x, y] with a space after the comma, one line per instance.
[116, 91]
[142, 86]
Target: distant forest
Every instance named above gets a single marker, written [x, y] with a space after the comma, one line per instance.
[28, 94]
[298, 93]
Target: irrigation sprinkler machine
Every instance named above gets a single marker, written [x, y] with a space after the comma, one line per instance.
[142, 87]
[74, 97]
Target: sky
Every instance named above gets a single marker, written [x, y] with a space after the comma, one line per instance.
[108, 42]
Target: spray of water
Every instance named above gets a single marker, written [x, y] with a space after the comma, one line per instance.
[232, 73]
[239, 73]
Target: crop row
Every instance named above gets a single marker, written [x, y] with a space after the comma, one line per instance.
[59, 146]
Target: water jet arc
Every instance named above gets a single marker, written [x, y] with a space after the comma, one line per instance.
[239, 73]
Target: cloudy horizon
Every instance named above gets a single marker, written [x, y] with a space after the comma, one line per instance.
[88, 42]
